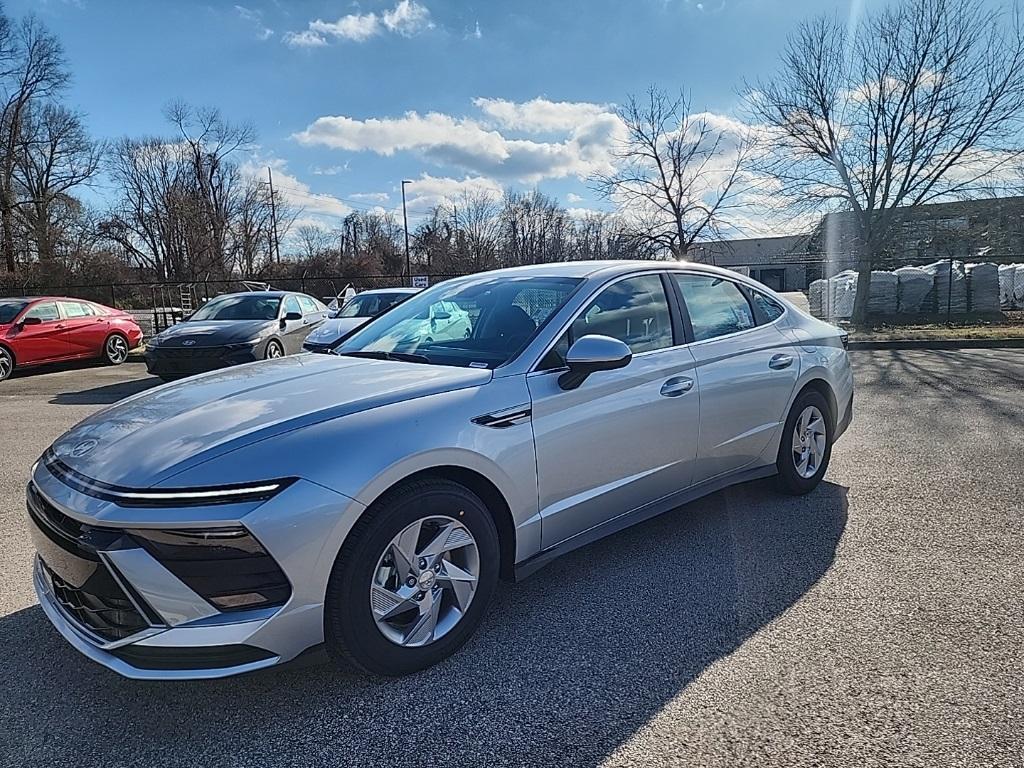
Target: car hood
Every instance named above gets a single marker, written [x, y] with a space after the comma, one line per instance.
[156, 434]
[213, 333]
[331, 330]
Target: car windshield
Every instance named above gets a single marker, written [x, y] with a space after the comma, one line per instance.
[368, 304]
[9, 309]
[239, 307]
[478, 323]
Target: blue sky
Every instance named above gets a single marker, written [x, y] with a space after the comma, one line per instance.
[504, 92]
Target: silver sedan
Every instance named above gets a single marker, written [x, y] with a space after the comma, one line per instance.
[370, 499]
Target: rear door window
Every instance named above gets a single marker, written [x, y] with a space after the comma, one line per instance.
[717, 307]
[309, 306]
[770, 307]
[74, 309]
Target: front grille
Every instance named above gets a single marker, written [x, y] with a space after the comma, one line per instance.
[110, 615]
[185, 353]
[79, 581]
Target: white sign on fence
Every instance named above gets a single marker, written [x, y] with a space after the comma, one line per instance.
[420, 281]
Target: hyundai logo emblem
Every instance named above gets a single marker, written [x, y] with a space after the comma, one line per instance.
[83, 448]
[188, 342]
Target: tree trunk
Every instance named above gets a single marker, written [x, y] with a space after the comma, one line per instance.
[860, 303]
[7, 224]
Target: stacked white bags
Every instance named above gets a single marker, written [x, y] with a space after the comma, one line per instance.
[983, 287]
[1011, 286]
[816, 297]
[882, 299]
[913, 287]
[949, 287]
[843, 290]
[1006, 274]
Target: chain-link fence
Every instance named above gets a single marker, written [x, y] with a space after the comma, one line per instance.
[903, 291]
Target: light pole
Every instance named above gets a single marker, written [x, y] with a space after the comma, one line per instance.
[405, 223]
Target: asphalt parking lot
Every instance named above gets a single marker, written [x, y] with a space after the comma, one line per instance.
[877, 621]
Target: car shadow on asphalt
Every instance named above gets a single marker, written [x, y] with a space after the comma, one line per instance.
[107, 394]
[566, 667]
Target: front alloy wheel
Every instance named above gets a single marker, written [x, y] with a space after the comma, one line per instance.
[425, 581]
[413, 578]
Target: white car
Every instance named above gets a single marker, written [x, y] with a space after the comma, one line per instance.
[355, 313]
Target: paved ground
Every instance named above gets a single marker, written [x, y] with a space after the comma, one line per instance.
[877, 621]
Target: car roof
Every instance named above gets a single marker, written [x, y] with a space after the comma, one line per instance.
[48, 298]
[399, 289]
[604, 268]
[264, 294]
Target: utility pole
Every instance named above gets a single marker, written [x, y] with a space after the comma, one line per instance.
[405, 223]
[273, 216]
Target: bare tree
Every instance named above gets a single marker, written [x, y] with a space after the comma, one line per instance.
[922, 101]
[181, 198]
[54, 156]
[32, 68]
[677, 174]
[313, 240]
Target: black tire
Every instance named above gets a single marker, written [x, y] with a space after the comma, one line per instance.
[351, 634]
[274, 345]
[789, 480]
[7, 362]
[115, 349]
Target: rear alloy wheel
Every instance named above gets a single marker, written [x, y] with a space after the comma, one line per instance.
[274, 349]
[412, 580]
[115, 351]
[806, 444]
[6, 363]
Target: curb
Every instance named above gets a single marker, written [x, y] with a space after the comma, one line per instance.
[1007, 343]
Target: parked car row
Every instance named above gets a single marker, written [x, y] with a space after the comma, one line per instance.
[370, 498]
[230, 329]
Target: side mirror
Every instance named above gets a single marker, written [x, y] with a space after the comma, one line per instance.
[293, 316]
[31, 320]
[590, 354]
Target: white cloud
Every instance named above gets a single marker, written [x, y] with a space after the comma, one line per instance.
[356, 27]
[373, 197]
[296, 192]
[478, 148]
[475, 33]
[331, 170]
[255, 18]
[572, 197]
[427, 191]
[540, 115]
[407, 18]
[304, 39]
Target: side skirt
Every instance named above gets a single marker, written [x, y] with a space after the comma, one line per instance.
[536, 562]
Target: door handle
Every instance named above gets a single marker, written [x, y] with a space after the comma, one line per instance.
[676, 386]
[778, 362]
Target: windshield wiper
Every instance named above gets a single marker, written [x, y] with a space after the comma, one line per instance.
[405, 357]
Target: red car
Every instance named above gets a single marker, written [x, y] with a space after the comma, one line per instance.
[48, 329]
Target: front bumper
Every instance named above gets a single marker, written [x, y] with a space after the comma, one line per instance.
[128, 612]
[185, 361]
